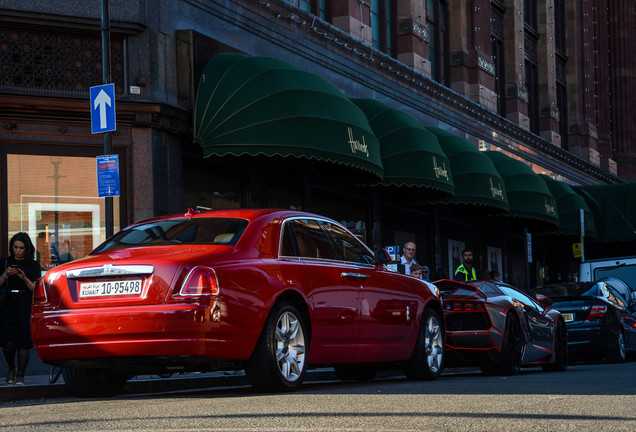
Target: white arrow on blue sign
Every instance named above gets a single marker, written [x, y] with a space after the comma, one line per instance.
[103, 108]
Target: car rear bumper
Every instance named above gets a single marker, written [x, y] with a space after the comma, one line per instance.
[591, 338]
[158, 331]
[473, 346]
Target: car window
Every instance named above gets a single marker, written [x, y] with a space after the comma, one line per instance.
[311, 240]
[350, 248]
[614, 296]
[521, 297]
[191, 231]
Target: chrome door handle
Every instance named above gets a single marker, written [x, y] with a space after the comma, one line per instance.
[355, 275]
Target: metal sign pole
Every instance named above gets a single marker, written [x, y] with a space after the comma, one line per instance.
[106, 78]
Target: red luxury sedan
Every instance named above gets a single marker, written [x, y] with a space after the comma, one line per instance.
[273, 292]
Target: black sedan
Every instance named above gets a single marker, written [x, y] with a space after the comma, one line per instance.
[600, 317]
[499, 328]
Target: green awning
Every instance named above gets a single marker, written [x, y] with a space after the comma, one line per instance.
[529, 197]
[476, 180]
[411, 155]
[569, 204]
[614, 210]
[264, 106]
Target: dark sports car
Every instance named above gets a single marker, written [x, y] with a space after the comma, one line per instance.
[499, 328]
[600, 317]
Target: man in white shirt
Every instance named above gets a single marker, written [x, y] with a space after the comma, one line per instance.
[408, 257]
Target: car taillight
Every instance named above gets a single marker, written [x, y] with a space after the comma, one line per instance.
[39, 293]
[200, 281]
[464, 306]
[596, 312]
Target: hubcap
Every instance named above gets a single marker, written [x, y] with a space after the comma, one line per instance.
[434, 344]
[290, 346]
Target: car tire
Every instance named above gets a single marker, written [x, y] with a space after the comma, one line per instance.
[427, 361]
[94, 382]
[355, 372]
[560, 350]
[511, 350]
[278, 362]
[618, 353]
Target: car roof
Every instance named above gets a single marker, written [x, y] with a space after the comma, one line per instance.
[242, 213]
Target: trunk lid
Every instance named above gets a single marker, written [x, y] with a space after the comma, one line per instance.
[124, 277]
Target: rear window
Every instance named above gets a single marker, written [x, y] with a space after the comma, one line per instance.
[568, 290]
[626, 273]
[197, 231]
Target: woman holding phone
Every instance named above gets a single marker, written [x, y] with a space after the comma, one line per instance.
[19, 271]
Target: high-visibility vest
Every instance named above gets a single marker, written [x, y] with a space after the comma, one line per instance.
[461, 269]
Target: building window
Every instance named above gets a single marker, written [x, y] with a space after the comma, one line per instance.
[561, 63]
[56, 62]
[438, 52]
[498, 57]
[316, 7]
[54, 200]
[531, 38]
[381, 25]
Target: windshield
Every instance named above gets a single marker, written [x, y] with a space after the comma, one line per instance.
[572, 289]
[197, 231]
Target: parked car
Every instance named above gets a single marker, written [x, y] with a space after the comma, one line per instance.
[273, 292]
[600, 317]
[501, 329]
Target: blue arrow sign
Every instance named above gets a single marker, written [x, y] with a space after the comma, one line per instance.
[103, 108]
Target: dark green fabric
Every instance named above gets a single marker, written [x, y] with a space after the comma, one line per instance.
[569, 204]
[614, 210]
[528, 195]
[476, 180]
[264, 106]
[411, 156]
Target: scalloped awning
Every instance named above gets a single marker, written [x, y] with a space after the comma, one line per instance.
[614, 210]
[569, 205]
[264, 106]
[476, 180]
[411, 156]
[529, 197]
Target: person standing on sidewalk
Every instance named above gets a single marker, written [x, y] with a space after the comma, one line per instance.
[19, 273]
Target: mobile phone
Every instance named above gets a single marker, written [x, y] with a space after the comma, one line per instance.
[14, 266]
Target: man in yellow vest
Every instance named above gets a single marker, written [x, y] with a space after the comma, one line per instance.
[465, 272]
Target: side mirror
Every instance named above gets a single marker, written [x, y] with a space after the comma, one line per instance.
[382, 256]
[543, 300]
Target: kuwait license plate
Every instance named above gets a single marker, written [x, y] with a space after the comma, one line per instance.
[110, 288]
[568, 317]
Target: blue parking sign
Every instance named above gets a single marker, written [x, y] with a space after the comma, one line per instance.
[108, 176]
[103, 108]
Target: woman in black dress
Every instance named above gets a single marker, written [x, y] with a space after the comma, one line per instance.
[20, 271]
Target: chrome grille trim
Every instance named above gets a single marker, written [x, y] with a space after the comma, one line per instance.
[110, 270]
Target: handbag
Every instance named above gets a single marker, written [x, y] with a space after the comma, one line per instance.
[4, 288]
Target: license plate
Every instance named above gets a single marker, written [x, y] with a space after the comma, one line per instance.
[110, 288]
[568, 317]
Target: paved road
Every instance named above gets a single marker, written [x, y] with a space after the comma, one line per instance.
[600, 397]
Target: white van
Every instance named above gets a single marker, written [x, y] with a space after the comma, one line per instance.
[623, 268]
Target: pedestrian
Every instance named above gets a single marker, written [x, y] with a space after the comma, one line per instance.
[494, 275]
[426, 273]
[408, 258]
[20, 271]
[417, 271]
[465, 272]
